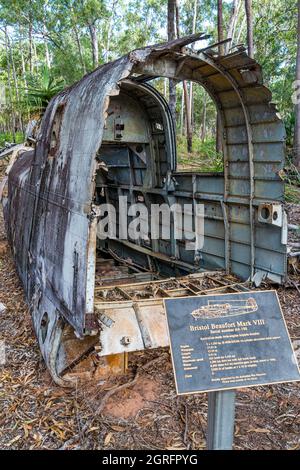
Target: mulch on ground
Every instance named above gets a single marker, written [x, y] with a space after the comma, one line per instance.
[139, 410]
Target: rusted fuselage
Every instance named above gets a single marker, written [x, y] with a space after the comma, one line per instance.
[111, 135]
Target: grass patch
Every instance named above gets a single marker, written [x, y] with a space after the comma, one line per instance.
[8, 137]
[292, 193]
[203, 158]
[291, 177]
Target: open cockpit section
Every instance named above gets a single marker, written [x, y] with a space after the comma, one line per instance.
[147, 220]
[138, 142]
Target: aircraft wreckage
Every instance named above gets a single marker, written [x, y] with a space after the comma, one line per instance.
[92, 300]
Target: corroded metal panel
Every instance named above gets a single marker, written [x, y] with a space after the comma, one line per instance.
[49, 211]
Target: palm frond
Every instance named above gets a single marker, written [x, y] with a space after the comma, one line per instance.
[42, 89]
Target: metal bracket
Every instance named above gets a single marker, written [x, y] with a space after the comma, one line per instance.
[91, 324]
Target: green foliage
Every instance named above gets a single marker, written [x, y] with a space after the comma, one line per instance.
[56, 34]
[291, 176]
[8, 137]
[289, 120]
[203, 158]
[275, 28]
[292, 194]
[43, 89]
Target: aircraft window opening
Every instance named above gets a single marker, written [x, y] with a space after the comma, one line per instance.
[199, 132]
[55, 131]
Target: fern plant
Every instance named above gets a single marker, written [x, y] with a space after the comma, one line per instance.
[41, 90]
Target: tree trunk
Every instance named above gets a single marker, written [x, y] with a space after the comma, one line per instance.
[182, 126]
[242, 27]
[109, 28]
[220, 26]
[171, 37]
[30, 43]
[47, 55]
[297, 106]
[191, 83]
[189, 131]
[77, 38]
[232, 23]
[249, 16]
[182, 113]
[235, 21]
[177, 18]
[35, 57]
[219, 140]
[203, 128]
[165, 88]
[22, 58]
[15, 80]
[25, 86]
[94, 43]
[221, 52]
[46, 47]
[13, 124]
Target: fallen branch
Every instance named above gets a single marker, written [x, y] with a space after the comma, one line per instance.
[98, 410]
[295, 285]
[2, 308]
[294, 244]
[104, 400]
[154, 361]
[293, 254]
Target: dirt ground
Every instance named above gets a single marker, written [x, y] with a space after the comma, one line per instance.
[145, 413]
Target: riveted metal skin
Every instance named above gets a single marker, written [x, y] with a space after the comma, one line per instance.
[49, 205]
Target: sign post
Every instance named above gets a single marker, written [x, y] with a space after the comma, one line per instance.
[223, 342]
[220, 420]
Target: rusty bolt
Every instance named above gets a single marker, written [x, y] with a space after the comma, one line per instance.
[125, 340]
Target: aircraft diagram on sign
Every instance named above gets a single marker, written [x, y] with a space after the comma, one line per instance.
[221, 308]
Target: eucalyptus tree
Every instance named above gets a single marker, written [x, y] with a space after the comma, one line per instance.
[297, 106]
[249, 17]
[171, 37]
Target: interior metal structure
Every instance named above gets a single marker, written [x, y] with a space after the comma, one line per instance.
[110, 135]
